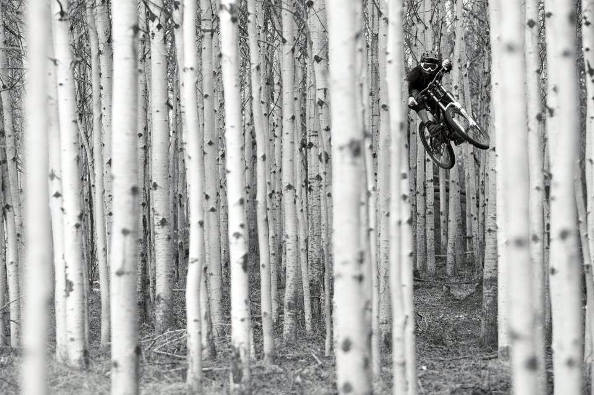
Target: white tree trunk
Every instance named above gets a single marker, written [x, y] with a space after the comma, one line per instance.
[194, 162]
[10, 142]
[288, 176]
[420, 239]
[516, 184]
[443, 211]
[98, 202]
[406, 259]
[453, 213]
[125, 350]
[38, 255]
[300, 198]
[143, 283]
[258, 101]
[160, 168]
[502, 302]
[536, 131]
[430, 216]
[383, 180]
[238, 247]
[351, 320]
[370, 227]
[562, 129]
[394, 72]
[588, 51]
[106, 65]
[71, 186]
[12, 269]
[213, 252]
[489, 307]
[55, 204]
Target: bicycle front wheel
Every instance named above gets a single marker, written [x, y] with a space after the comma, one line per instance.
[470, 131]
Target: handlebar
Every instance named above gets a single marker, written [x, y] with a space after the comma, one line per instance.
[437, 75]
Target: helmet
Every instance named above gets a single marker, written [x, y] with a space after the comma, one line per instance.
[430, 61]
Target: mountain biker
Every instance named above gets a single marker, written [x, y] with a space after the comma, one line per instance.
[419, 78]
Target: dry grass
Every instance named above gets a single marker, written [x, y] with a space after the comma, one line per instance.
[450, 359]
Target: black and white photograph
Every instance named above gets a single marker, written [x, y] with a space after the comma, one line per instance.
[297, 197]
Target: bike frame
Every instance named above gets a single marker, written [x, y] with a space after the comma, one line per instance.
[445, 100]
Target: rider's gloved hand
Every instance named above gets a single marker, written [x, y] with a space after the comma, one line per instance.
[446, 64]
[412, 102]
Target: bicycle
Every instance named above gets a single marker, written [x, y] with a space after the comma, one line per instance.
[454, 122]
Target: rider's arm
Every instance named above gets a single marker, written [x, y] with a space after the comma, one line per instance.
[413, 78]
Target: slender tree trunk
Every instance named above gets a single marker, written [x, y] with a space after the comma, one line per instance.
[313, 185]
[301, 208]
[238, 247]
[4, 314]
[394, 70]
[37, 259]
[352, 325]
[536, 131]
[194, 161]
[210, 165]
[443, 211]
[275, 267]
[258, 101]
[98, 203]
[516, 183]
[317, 25]
[453, 213]
[10, 144]
[562, 129]
[57, 219]
[125, 349]
[489, 310]
[160, 168]
[71, 184]
[106, 65]
[588, 51]
[502, 270]
[272, 195]
[370, 228]
[12, 270]
[586, 259]
[288, 176]
[430, 217]
[144, 278]
[383, 181]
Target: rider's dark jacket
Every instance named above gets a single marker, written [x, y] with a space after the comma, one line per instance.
[418, 80]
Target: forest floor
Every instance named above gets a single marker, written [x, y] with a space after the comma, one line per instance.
[450, 359]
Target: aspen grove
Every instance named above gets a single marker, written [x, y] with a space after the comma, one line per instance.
[297, 197]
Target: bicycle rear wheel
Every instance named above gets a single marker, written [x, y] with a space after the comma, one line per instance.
[470, 132]
[438, 147]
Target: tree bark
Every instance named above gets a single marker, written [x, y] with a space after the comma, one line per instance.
[238, 243]
[288, 176]
[562, 130]
[98, 203]
[38, 255]
[71, 186]
[125, 350]
[213, 241]
[160, 168]
[351, 321]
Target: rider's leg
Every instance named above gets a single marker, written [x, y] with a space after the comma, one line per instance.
[424, 115]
